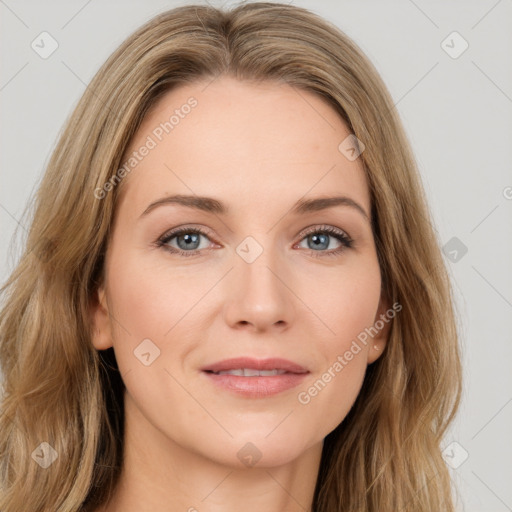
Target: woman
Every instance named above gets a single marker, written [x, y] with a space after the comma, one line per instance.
[232, 294]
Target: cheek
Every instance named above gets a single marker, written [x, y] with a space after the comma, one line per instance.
[325, 400]
[347, 305]
[344, 301]
[150, 303]
[151, 299]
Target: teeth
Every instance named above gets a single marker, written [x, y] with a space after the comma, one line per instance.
[240, 372]
[250, 372]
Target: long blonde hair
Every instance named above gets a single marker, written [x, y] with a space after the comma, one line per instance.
[385, 455]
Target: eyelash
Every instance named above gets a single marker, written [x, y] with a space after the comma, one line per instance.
[346, 241]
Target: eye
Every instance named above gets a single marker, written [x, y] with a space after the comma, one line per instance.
[320, 238]
[187, 239]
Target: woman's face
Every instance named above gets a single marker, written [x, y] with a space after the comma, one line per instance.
[262, 280]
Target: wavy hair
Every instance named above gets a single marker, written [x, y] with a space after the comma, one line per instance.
[385, 456]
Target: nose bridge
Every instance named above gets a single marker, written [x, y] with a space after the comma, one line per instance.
[258, 295]
[259, 262]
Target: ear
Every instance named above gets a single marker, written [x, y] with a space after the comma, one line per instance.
[380, 331]
[100, 318]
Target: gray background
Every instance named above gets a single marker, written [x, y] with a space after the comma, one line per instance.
[457, 113]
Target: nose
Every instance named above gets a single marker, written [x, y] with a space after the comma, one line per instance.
[258, 295]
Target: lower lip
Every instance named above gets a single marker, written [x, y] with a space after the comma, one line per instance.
[257, 387]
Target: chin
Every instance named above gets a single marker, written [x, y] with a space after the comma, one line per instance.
[260, 450]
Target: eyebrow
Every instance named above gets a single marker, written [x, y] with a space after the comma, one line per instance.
[211, 205]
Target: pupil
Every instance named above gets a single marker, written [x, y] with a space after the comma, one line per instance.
[317, 240]
[190, 239]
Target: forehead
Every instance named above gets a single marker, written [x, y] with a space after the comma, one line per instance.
[251, 144]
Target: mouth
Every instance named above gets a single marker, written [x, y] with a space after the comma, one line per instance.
[250, 372]
[252, 367]
[255, 378]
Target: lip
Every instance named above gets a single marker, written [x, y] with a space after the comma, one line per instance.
[256, 387]
[257, 364]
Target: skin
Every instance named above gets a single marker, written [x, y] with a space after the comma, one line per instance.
[258, 148]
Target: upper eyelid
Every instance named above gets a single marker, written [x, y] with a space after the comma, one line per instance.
[322, 227]
[170, 234]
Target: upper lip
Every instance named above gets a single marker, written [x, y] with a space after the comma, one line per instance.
[256, 364]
